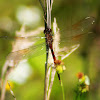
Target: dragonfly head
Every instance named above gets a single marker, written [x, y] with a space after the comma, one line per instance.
[48, 30]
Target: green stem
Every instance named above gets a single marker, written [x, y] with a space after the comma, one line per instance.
[63, 90]
[76, 98]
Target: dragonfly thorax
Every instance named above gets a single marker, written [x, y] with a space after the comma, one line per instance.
[48, 35]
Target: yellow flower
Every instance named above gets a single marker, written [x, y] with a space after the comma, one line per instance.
[84, 82]
[8, 87]
[59, 66]
[59, 69]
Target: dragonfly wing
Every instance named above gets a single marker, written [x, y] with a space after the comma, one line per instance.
[65, 52]
[23, 38]
[72, 39]
[28, 52]
[77, 31]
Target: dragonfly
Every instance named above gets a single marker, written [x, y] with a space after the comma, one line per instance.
[78, 30]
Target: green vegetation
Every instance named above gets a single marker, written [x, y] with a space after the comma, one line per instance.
[28, 82]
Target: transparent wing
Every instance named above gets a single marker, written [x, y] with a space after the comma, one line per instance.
[72, 39]
[22, 39]
[78, 31]
[33, 51]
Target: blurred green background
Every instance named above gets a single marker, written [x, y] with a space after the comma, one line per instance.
[28, 80]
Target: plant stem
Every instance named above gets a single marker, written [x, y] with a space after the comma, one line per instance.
[4, 84]
[46, 69]
[63, 90]
[47, 50]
